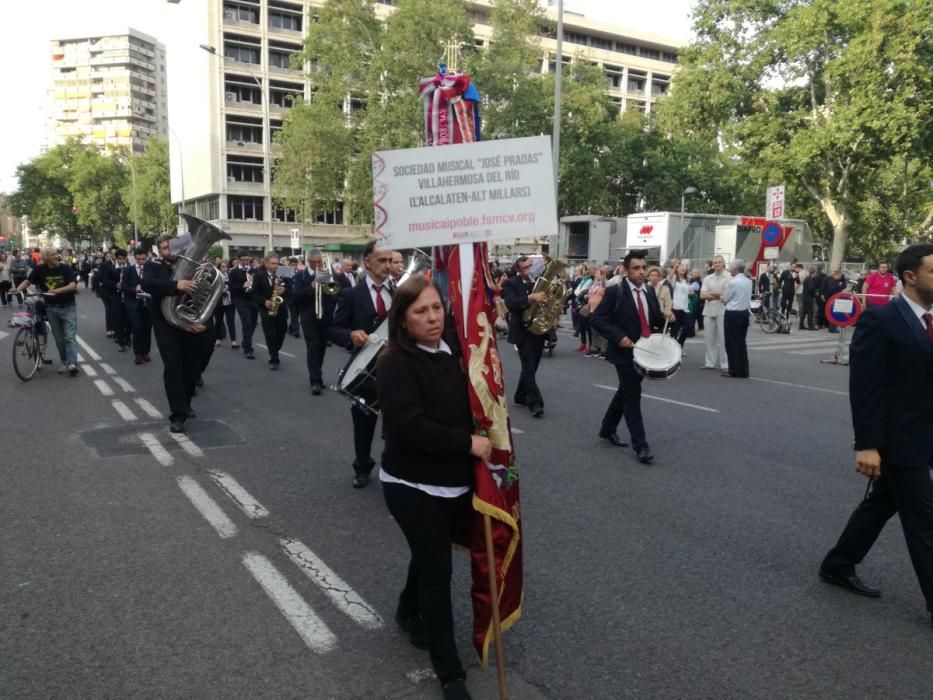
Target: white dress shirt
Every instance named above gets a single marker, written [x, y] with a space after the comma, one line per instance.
[386, 297]
[738, 294]
[918, 310]
[715, 284]
[430, 489]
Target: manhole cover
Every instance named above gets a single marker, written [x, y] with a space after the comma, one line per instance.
[123, 440]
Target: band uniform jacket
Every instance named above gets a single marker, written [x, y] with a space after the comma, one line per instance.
[108, 275]
[236, 283]
[262, 289]
[891, 386]
[304, 291]
[130, 280]
[514, 294]
[157, 281]
[616, 317]
[355, 312]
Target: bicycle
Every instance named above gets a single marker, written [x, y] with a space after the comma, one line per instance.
[31, 339]
[770, 320]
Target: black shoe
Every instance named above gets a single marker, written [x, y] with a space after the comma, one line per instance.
[537, 410]
[177, 426]
[728, 374]
[272, 365]
[360, 481]
[613, 438]
[456, 690]
[189, 413]
[644, 455]
[521, 402]
[414, 628]
[249, 355]
[851, 583]
[316, 389]
[122, 348]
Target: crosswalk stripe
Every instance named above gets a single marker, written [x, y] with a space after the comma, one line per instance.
[795, 346]
[818, 351]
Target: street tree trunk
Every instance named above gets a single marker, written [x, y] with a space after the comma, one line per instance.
[838, 215]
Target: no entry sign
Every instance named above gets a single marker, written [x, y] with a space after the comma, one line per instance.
[771, 233]
[843, 310]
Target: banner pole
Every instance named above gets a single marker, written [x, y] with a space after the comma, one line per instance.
[494, 596]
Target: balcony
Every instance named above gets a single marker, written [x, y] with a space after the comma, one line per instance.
[243, 107]
[245, 188]
[245, 147]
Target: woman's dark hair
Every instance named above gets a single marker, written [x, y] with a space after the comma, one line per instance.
[405, 295]
[911, 258]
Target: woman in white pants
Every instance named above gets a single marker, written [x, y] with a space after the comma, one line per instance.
[713, 312]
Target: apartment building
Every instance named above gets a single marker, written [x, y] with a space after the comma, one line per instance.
[232, 80]
[108, 90]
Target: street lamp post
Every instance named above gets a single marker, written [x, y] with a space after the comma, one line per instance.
[129, 162]
[558, 80]
[683, 208]
[267, 146]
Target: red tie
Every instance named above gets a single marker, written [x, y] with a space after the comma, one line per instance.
[928, 320]
[380, 302]
[645, 328]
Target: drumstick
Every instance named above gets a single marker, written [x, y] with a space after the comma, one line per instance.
[650, 352]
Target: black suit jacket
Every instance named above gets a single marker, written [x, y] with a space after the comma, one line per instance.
[236, 282]
[261, 291]
[130, 280]
[108, 275]
[515, 296]
[304, 292]
[157, 281]
[891, 386]
[616, 317]
[355, 312]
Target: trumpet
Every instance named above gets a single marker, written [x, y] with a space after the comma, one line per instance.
[324, 283]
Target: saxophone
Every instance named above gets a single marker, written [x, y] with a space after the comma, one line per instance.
[277, 298]
[541, 318]
[187, 310]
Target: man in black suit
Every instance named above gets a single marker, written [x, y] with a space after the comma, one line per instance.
[267, 284]
[293, 315]
[360, 310]
[137, 309]
[239, 282]
[111, 278]
[629, 311]
[517, 296]
[891, 395]
[185, 353]
[304, 293]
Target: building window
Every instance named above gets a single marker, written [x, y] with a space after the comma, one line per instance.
[241, 12]
[669, 57]
[284, 20]
[659, 88]
[244, 130]
[334, 217]
[576, 38]
[552, 63]
[241, 49]
[654, 54]
[285, 97]
[244, 208]
[623, 47]
[237, 89]
[600, 43]
[280, 57]
[244, 169]
[283, 214]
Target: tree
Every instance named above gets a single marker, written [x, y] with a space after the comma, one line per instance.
[44, 194]
[96, 181]
[155, 214]
[822, 94]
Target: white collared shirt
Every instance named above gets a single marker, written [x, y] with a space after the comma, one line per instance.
[918, 310]
[386, 297]
[430, 489]
[738, 294]
[715, 284]
[635, 290]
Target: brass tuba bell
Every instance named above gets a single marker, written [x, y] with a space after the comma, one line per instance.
[541, 318]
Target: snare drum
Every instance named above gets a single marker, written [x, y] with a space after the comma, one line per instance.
[657, 356]
[357, 381]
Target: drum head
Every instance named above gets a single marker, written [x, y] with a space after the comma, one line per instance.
[657, 357]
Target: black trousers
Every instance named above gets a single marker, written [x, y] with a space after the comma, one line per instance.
[105, 298]
[627, 403]
[249, 314]
[5, 287]
[141, 325]
[736, 329]
[184, 357]
[119, 319]
[293, 317]
[530, 350]
[273, 328]
[787, 303]
[430, 525]
[908, 492]
[364, 429]
[315, 331]
[225, 316]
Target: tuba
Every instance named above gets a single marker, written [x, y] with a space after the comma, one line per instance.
[187, 310]
[324, 283]
[541, 318]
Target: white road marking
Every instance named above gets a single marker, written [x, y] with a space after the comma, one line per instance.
[88, 370]
[123, 384]
[340, 594]
[123, 410]
[87, 348]
[660, 398]
[795, 346]
[148, 408]
[800, 386]
[281, 352]
[107, 368]
[104, 387]
[299, 614]
[80, 357]
[420, 675]
[3, 335]
[207, 507]
[186, 444]
[244, 500]
[818, 351]
[161, 455]
[516, 431]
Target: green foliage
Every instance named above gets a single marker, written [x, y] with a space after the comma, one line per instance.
[825, 95]
[155, 212]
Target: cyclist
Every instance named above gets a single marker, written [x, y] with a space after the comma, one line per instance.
[57, 283]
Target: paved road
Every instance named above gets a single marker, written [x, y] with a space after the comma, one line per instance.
[241, 563]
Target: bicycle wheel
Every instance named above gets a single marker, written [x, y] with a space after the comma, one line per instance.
[770, 321]
[26, 357]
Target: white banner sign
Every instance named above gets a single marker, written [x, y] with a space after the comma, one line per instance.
[465, 193]
[774, 202]
[295, 234]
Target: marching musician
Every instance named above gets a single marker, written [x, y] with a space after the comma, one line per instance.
[629, 311]
[111, 285]
[137, 309]
[238, 283]
[266, 285]
[427, 466]
[517, 295]
[304, 292]
[294, 329]
[185, 353]
[360, 309]
[398, 267]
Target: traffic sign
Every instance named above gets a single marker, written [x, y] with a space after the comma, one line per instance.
[843, 310]
[771, 233]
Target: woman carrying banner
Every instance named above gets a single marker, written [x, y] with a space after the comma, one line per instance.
[427, 466]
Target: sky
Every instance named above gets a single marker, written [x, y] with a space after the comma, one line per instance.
[28, 27]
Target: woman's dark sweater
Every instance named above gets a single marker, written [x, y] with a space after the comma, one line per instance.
[426, 413]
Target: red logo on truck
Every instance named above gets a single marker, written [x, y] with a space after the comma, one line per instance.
[646, 230]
